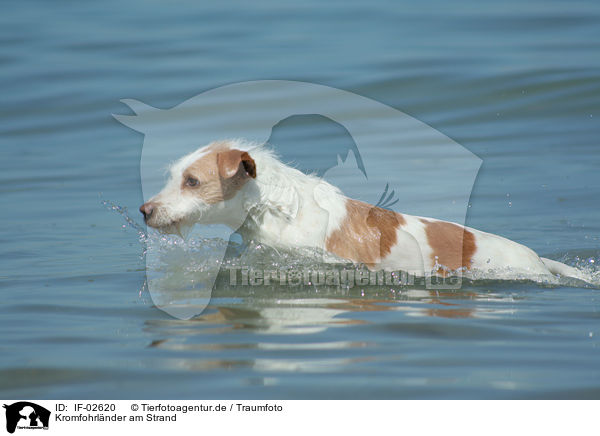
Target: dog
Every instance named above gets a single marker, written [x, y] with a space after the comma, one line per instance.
[244, 186]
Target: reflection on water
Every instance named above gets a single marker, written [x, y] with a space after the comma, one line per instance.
[286, 333]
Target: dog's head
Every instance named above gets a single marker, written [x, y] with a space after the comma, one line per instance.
[202, 188]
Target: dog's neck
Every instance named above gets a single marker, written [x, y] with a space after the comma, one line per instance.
[287, 208]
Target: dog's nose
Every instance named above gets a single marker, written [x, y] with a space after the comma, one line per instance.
[147, 209]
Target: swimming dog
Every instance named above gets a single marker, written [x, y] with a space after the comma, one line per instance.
[244, 186]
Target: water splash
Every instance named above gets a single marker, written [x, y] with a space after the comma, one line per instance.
[588, 262]
[122, 210]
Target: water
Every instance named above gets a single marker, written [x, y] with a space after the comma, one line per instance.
[517, 84]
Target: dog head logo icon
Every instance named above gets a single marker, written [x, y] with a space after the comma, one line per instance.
[27, 415]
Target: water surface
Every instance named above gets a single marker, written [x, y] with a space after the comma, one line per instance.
[517, 84]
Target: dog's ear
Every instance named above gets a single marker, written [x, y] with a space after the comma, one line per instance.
[232, 162]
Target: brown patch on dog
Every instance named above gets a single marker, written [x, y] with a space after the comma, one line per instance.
[367, 234]
[220, 173]
[452, 245]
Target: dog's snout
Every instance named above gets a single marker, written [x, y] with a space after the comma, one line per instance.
[146, 209]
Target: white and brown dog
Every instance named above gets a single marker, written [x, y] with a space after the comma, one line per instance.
[247, 188]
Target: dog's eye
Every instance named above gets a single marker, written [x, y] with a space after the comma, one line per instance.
[191, 181]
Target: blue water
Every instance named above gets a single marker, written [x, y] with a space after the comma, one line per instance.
[517, 84]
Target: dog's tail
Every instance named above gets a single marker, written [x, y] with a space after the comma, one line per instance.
[560, 268]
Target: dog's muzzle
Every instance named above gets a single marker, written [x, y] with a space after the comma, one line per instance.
[147, 209]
